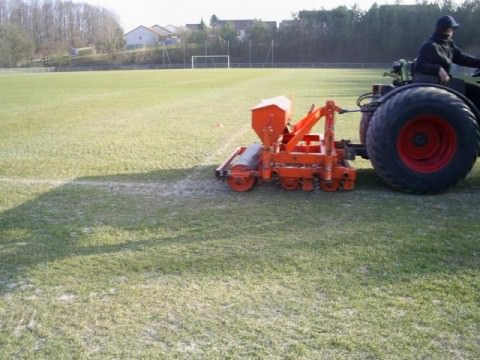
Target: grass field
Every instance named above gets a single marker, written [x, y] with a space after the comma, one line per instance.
[116, 241]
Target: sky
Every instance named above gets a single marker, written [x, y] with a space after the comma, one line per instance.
[181, 12]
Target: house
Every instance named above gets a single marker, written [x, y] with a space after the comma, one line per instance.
[272, 25]
[173, 29]
[241, 27]
[143, 36]
[162, 31]
[287, 24]
[194, 27]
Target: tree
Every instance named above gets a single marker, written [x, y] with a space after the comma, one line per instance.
[202, 26]
[15, 45]
[260, 32]
[54, 27]
[229, 33]
[214, 21]
[110, 39]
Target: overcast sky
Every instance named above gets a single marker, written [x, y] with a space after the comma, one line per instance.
[181, 12]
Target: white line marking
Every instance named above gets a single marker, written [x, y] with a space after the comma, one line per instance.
[191, 180]
[189, 186]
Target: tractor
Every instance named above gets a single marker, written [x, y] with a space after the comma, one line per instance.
[421, 137]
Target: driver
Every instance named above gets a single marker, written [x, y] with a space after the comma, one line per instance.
[439, 52]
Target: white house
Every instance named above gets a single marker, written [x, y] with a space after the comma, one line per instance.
[173, 29]
[163, 31]
[142, 36]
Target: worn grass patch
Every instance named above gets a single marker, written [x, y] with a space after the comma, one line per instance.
[116, 241]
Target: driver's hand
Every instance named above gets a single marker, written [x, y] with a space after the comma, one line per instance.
[443, 75]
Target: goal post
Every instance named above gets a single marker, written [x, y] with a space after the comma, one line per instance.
[210, 61]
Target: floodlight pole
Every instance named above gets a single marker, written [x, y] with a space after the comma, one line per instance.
[273, 51]
[165, 53]
[250, 52]
[184, 55]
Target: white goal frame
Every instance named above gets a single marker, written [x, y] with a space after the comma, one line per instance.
[210, 56]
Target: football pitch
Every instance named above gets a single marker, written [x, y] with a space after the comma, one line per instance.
[117, 241]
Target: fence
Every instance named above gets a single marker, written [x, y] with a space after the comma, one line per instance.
[316, 65]
[31, 70]
[232, 65]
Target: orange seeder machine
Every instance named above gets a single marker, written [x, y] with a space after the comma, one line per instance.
[291, 154]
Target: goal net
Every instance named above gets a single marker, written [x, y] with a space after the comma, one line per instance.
[210, 61]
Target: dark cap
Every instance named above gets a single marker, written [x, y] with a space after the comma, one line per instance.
[446, 22]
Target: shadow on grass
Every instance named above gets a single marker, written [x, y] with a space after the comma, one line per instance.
[96, 231]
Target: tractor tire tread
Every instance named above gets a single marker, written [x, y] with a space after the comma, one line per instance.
[380, 125]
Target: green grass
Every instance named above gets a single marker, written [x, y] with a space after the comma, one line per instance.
[117, 242]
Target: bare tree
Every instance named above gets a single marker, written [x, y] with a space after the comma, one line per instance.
[56, 26]
[15, 45]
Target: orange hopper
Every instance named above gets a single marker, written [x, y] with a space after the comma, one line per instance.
[290, 154]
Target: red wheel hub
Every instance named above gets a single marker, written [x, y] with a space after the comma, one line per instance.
[427, 143]
[289, 183]
[241, 179]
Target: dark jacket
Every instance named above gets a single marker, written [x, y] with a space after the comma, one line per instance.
[440, 51]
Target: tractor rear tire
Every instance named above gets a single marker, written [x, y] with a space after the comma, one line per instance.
[364, 123]
[423, 140]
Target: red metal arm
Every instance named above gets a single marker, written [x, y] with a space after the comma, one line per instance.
[305, 125]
